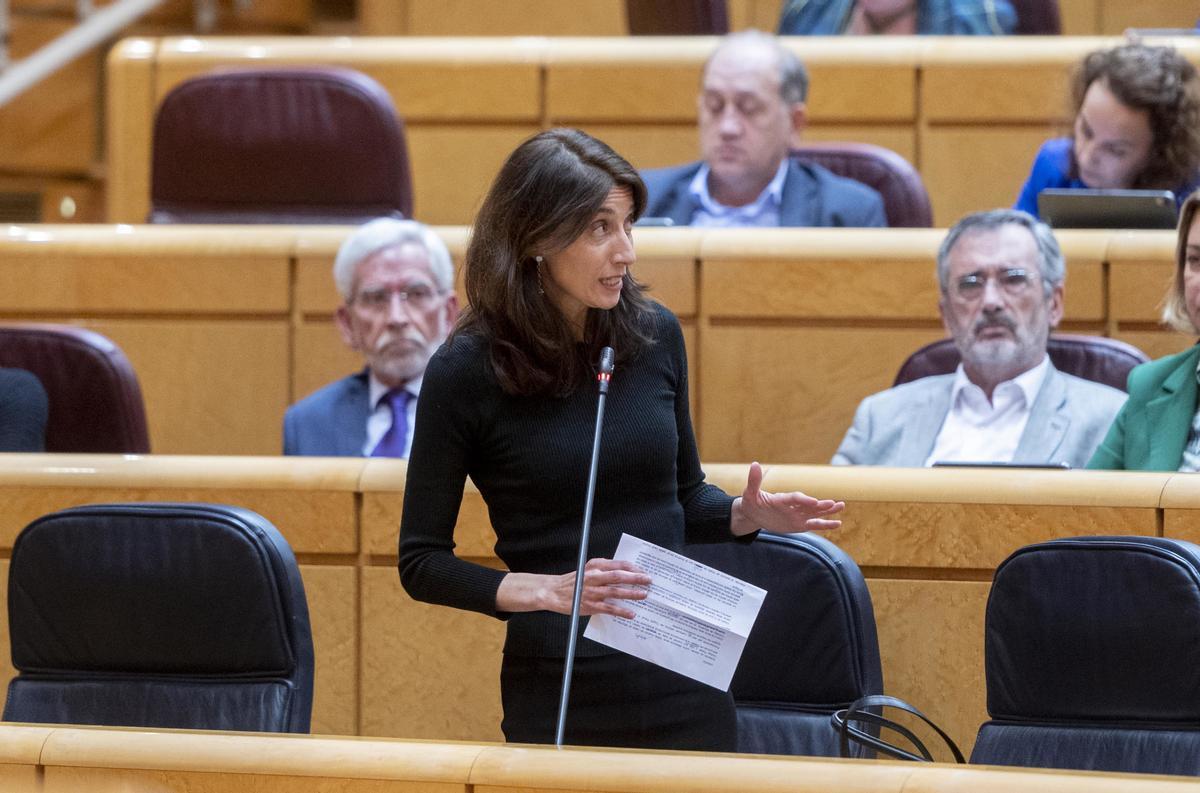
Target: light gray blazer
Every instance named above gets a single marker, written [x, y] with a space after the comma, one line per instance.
[898, 427]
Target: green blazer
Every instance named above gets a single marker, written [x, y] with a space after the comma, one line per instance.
[1151, 430]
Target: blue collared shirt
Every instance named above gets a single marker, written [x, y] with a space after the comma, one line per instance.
[763, 211]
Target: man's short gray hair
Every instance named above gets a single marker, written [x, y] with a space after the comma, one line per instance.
[372, 237]
[1051, 265]
[793, 77]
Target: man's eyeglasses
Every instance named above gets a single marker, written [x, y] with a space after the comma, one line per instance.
[419, 297]
[1014, 281]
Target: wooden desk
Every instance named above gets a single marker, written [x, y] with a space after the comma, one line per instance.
[926, 540]
[968, 112]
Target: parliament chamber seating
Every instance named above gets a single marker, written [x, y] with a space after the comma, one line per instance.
[1037, 17]
[158, 615]
[279, 145]
[677, 17]
[813, 648]
[1096, 358]
[95, 400]
[905, 201]
[1091, 648]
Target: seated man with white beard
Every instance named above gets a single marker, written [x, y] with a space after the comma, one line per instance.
[1001, 275]
[397, 281]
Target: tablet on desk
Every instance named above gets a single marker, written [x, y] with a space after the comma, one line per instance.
[991, 464]
[1107, 209]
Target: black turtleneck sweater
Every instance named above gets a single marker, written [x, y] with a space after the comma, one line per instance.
[529, 457]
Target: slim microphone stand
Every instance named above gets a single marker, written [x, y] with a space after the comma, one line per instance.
[605, 374]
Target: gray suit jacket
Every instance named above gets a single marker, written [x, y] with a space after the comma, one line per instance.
[330, 422]
[812, 196]
[898, 427]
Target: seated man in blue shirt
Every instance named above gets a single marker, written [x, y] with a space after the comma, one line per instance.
[752, 111]
[397, 281]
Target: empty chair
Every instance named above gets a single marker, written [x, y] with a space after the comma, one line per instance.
[281, 145]
[158, 615]
[1092, 651]
[1094, 358]
[905, 200]
[813, 649]
[677, 17]
[95, 400]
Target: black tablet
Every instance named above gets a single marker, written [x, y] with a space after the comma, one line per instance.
[1107, 209]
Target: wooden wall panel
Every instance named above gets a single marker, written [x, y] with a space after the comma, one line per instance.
[53, 127]
[788, 394]
[515, 18]
[955, 158]
[210, 386]
[319, 357]
[427, 671]
[332, 592]
[453, 167]
[931, 640]
[1116, 16]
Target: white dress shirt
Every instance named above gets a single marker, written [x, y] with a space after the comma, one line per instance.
[380, 420]
[763, 211]
[976, 430]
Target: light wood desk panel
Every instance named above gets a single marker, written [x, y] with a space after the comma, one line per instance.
[453, 167]
[428, 671]
[210, 387]
[787, 394]
[52, 128]
[973, 168]
[1142, 266]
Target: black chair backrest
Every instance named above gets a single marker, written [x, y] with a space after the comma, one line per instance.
[95, 400]
[1092, 652]
[1095, 358]
[158, 615]
[279, 145]
[813, 649]
[905, 200]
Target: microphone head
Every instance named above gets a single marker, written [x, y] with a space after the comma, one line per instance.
[606, 360]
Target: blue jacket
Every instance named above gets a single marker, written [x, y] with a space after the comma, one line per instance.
[812, 196]
[330, 422]
[1051, 169]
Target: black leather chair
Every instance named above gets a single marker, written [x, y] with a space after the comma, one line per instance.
[281, 145]
[95, 400]
[158, 615]
[905, 200]
[1095, 358]
[1092, 650]
[813, 649]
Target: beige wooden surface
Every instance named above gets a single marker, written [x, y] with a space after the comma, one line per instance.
[113, 759]
[968, 112]
[227, 326]
[927, 541]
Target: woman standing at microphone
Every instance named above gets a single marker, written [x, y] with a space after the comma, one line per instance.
[510, 400]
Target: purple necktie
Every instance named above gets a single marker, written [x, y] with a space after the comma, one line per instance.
[392, 442]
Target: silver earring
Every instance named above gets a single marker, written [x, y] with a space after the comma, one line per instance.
[541, 289]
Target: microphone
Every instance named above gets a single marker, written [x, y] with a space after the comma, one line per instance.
[602, 377]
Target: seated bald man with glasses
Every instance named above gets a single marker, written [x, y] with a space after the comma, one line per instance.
[397, 283]
[1001, 275]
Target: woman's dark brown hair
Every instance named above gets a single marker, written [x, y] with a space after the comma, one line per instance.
[544, 197]
[1163, 83]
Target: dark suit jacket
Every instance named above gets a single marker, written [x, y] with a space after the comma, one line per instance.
[1151, 431]
[331, 422]
[812, 196]
[23, 411]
